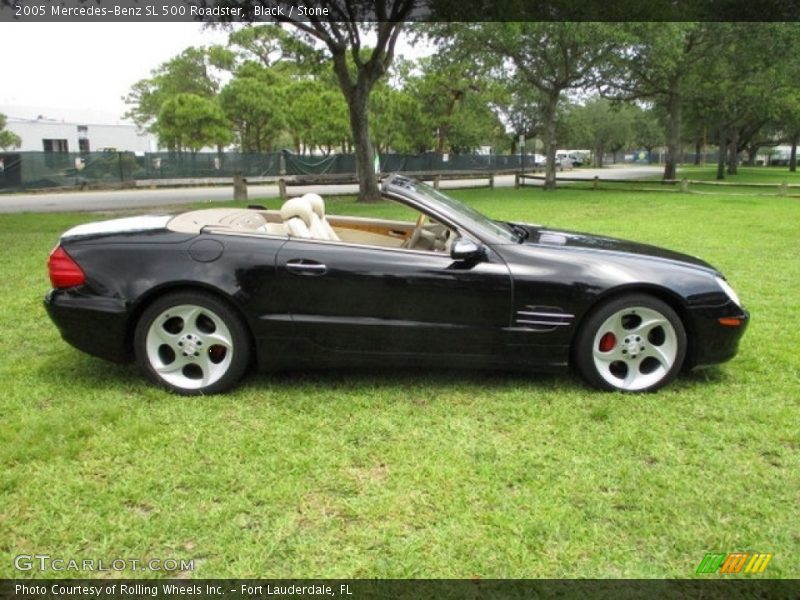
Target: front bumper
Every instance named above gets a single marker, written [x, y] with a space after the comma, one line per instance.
[92, 324]
[713, 342]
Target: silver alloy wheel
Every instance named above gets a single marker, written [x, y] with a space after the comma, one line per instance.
[635, 348]
[189, 346]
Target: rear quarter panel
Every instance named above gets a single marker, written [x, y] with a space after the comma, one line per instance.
[134, 269]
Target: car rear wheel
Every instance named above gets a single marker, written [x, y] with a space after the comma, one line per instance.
[635, 343]
[192, 343]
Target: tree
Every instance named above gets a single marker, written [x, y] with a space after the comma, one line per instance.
[8, 139]
[399, 117]
[790, 125]
[440, 103]
[655, 67]
[518, 107]
[740, 87]
[551, 57]
[192, 122]
[267, 44]
[474, 125]
[786, 125]
[648, 130]
[398, 120]
[256, 109]
[444, 85]
[186, 73]
[316, 115]
[271, 90]
[601, 126]
[341, 34]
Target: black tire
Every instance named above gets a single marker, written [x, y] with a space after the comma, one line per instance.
[192, 343]
[613, 351]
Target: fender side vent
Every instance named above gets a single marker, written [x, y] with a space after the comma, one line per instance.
[542, 318]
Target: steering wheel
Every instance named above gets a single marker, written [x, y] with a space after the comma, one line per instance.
[418, 229]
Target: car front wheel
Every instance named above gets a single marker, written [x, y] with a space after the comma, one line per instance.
[192, 343]
[635, 343]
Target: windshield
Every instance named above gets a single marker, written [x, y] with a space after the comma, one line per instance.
[481, 221]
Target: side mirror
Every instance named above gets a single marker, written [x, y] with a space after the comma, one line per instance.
[464, 249]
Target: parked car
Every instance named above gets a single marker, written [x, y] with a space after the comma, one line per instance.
[198, 297]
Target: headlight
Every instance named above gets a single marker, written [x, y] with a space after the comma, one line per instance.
[729, 290]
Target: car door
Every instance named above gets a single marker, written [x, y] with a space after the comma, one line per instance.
[351, 298]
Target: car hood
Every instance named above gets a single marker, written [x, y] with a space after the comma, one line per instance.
[543, 236]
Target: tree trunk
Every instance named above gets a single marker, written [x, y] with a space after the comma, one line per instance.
[698, 149]
[733, 153]
[723, 147]
[365, 155]
[441, 137]
[673, 131]
[550, 142]
[752, 153]
[793, 155]
[356, 93]
[443, 131]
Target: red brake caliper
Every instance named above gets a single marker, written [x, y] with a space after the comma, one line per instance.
[607, 342]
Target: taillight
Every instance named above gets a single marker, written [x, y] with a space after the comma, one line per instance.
[64, 272]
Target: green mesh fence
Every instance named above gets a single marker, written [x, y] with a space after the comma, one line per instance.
[452, 162]
[36, 170]
[334, 164]
[174, 166]
[31, 170]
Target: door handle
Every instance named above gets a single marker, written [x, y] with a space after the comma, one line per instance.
[397, 233]
[306, 267]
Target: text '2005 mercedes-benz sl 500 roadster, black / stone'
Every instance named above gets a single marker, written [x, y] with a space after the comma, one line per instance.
[199, 297]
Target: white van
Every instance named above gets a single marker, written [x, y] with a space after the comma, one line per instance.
[567, 159]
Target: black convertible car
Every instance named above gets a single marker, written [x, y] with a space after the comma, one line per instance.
[198, 297]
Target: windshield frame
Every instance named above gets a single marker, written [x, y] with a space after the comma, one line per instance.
[430, 198]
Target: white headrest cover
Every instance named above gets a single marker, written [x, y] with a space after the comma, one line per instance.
[317, 203]
[297, 207]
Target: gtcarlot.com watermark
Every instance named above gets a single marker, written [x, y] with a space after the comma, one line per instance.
[45, 562]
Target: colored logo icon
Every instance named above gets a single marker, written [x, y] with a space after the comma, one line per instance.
[733, 563]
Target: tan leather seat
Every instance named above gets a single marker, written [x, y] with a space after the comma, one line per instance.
[248, 220]
[273, 229]
[320, 228]
[297, 216]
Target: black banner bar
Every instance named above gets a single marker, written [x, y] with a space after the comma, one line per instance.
[244, 11]
[395, 589]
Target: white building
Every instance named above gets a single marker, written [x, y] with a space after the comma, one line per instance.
[45, 135]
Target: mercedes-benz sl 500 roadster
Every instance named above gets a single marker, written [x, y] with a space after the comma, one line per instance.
[198, 298]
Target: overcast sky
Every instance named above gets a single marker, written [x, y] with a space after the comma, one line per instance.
[81, 71]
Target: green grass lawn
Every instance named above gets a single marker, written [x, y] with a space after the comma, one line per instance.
[418, 474]
[749, 181]
[774, 175]
[703, 180]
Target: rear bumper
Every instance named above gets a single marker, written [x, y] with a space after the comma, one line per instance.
[714, 342]
[92, 324]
